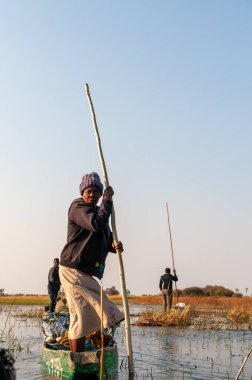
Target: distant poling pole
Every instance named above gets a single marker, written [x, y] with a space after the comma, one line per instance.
[169, 224]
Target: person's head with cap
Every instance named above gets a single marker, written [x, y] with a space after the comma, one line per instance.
[167, 270]
[91, 188]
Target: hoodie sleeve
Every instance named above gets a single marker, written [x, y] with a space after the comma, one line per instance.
[89, 217]
[175, 277]
[160, 283]
[50, 276]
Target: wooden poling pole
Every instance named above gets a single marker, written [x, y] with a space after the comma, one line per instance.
[102, 338]
[169, 224]
[114, 231]
[243, 364]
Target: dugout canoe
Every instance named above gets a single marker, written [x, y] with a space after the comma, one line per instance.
[59, 361]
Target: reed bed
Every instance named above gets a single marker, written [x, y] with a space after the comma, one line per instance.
[202, 303]
[211, 319]
[174, 317]
[211, 313]
[25, 300]
[205, 302]
[240, 318]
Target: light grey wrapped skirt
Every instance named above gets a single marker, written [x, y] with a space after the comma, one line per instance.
[83, 295]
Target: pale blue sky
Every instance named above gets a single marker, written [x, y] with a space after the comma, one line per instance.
[171, 84]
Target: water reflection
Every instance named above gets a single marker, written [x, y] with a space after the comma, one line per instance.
[159, 352]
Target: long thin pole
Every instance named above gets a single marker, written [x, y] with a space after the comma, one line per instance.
[114, 231]
[243, 364]
[102, 337]
[169, 224]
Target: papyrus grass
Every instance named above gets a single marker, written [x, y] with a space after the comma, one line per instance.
[174, 317]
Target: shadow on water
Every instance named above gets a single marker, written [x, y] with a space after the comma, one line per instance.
[159, 352]
[7, 371]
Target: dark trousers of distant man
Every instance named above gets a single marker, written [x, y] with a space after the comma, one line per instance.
[167, 298]
[53, 299]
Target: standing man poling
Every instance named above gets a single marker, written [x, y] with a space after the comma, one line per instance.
[89, 240]
[165, 286]
[53, 284]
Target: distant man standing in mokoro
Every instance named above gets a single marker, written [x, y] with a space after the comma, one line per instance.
[53, 284]
[165, 286]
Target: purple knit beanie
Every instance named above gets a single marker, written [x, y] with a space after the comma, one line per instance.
[90, 180]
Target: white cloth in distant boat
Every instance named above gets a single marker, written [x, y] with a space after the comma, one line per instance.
[82, 292]
[180, 305]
